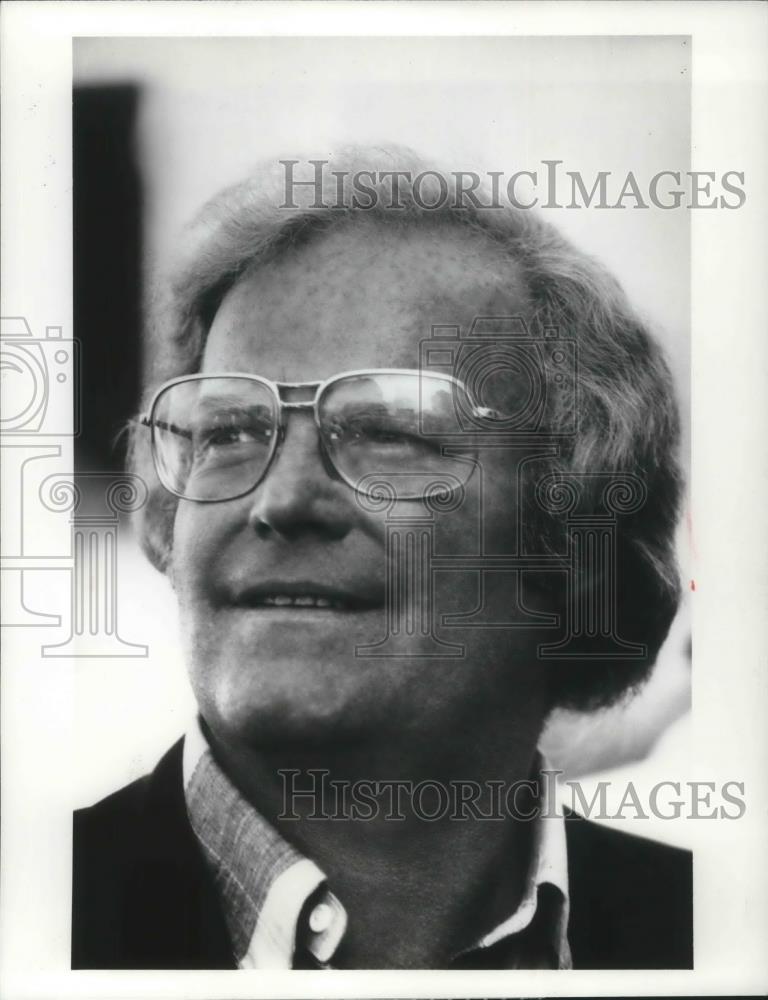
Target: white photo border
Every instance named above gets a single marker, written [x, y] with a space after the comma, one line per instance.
[728, 487]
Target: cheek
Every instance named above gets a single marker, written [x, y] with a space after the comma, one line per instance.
[194, 548]
[485, 521]
[179, 568]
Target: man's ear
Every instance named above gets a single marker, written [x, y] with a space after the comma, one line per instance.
[154, 526]
[169, 569]
[158, 550]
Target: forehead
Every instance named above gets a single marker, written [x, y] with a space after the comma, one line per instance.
[362, 296]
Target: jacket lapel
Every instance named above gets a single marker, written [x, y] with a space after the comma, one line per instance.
[174, 917]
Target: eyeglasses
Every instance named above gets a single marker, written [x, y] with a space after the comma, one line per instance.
[215, 436]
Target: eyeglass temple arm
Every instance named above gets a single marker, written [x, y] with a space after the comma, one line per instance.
[482, 412]
[164, 426]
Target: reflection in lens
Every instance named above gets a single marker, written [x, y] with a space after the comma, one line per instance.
[392, 425]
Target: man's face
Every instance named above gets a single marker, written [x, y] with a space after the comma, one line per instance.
[360, 297]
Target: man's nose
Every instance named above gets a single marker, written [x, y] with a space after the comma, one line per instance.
[298, 497]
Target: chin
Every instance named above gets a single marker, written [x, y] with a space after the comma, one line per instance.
[287, 703]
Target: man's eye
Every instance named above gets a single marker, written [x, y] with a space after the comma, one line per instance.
[229, 436]
[221, 437]
[375, 435]
[387, 435]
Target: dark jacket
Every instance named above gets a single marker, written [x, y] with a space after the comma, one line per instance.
[143, 897]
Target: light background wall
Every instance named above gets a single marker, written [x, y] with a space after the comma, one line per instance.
[213, 107]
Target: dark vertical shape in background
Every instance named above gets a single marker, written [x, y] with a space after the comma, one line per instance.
[107, 215]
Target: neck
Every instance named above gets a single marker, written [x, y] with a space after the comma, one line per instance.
[406, 835]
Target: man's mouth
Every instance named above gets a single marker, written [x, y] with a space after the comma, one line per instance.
[313, 597]
[299, 601]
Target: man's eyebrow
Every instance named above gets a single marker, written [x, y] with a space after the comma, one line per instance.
[364, 405]
[207, 404]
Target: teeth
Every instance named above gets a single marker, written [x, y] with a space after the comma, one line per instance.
[299, 601]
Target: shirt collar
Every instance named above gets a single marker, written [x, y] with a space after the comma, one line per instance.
[263, 881]
[267, 887]
[549, 866]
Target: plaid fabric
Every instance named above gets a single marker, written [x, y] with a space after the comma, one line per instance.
[266, 884]
[263, 881]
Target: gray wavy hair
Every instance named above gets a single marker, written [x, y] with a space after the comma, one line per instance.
[628, 421]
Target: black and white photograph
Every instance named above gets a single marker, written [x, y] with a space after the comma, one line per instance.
[368, 460]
